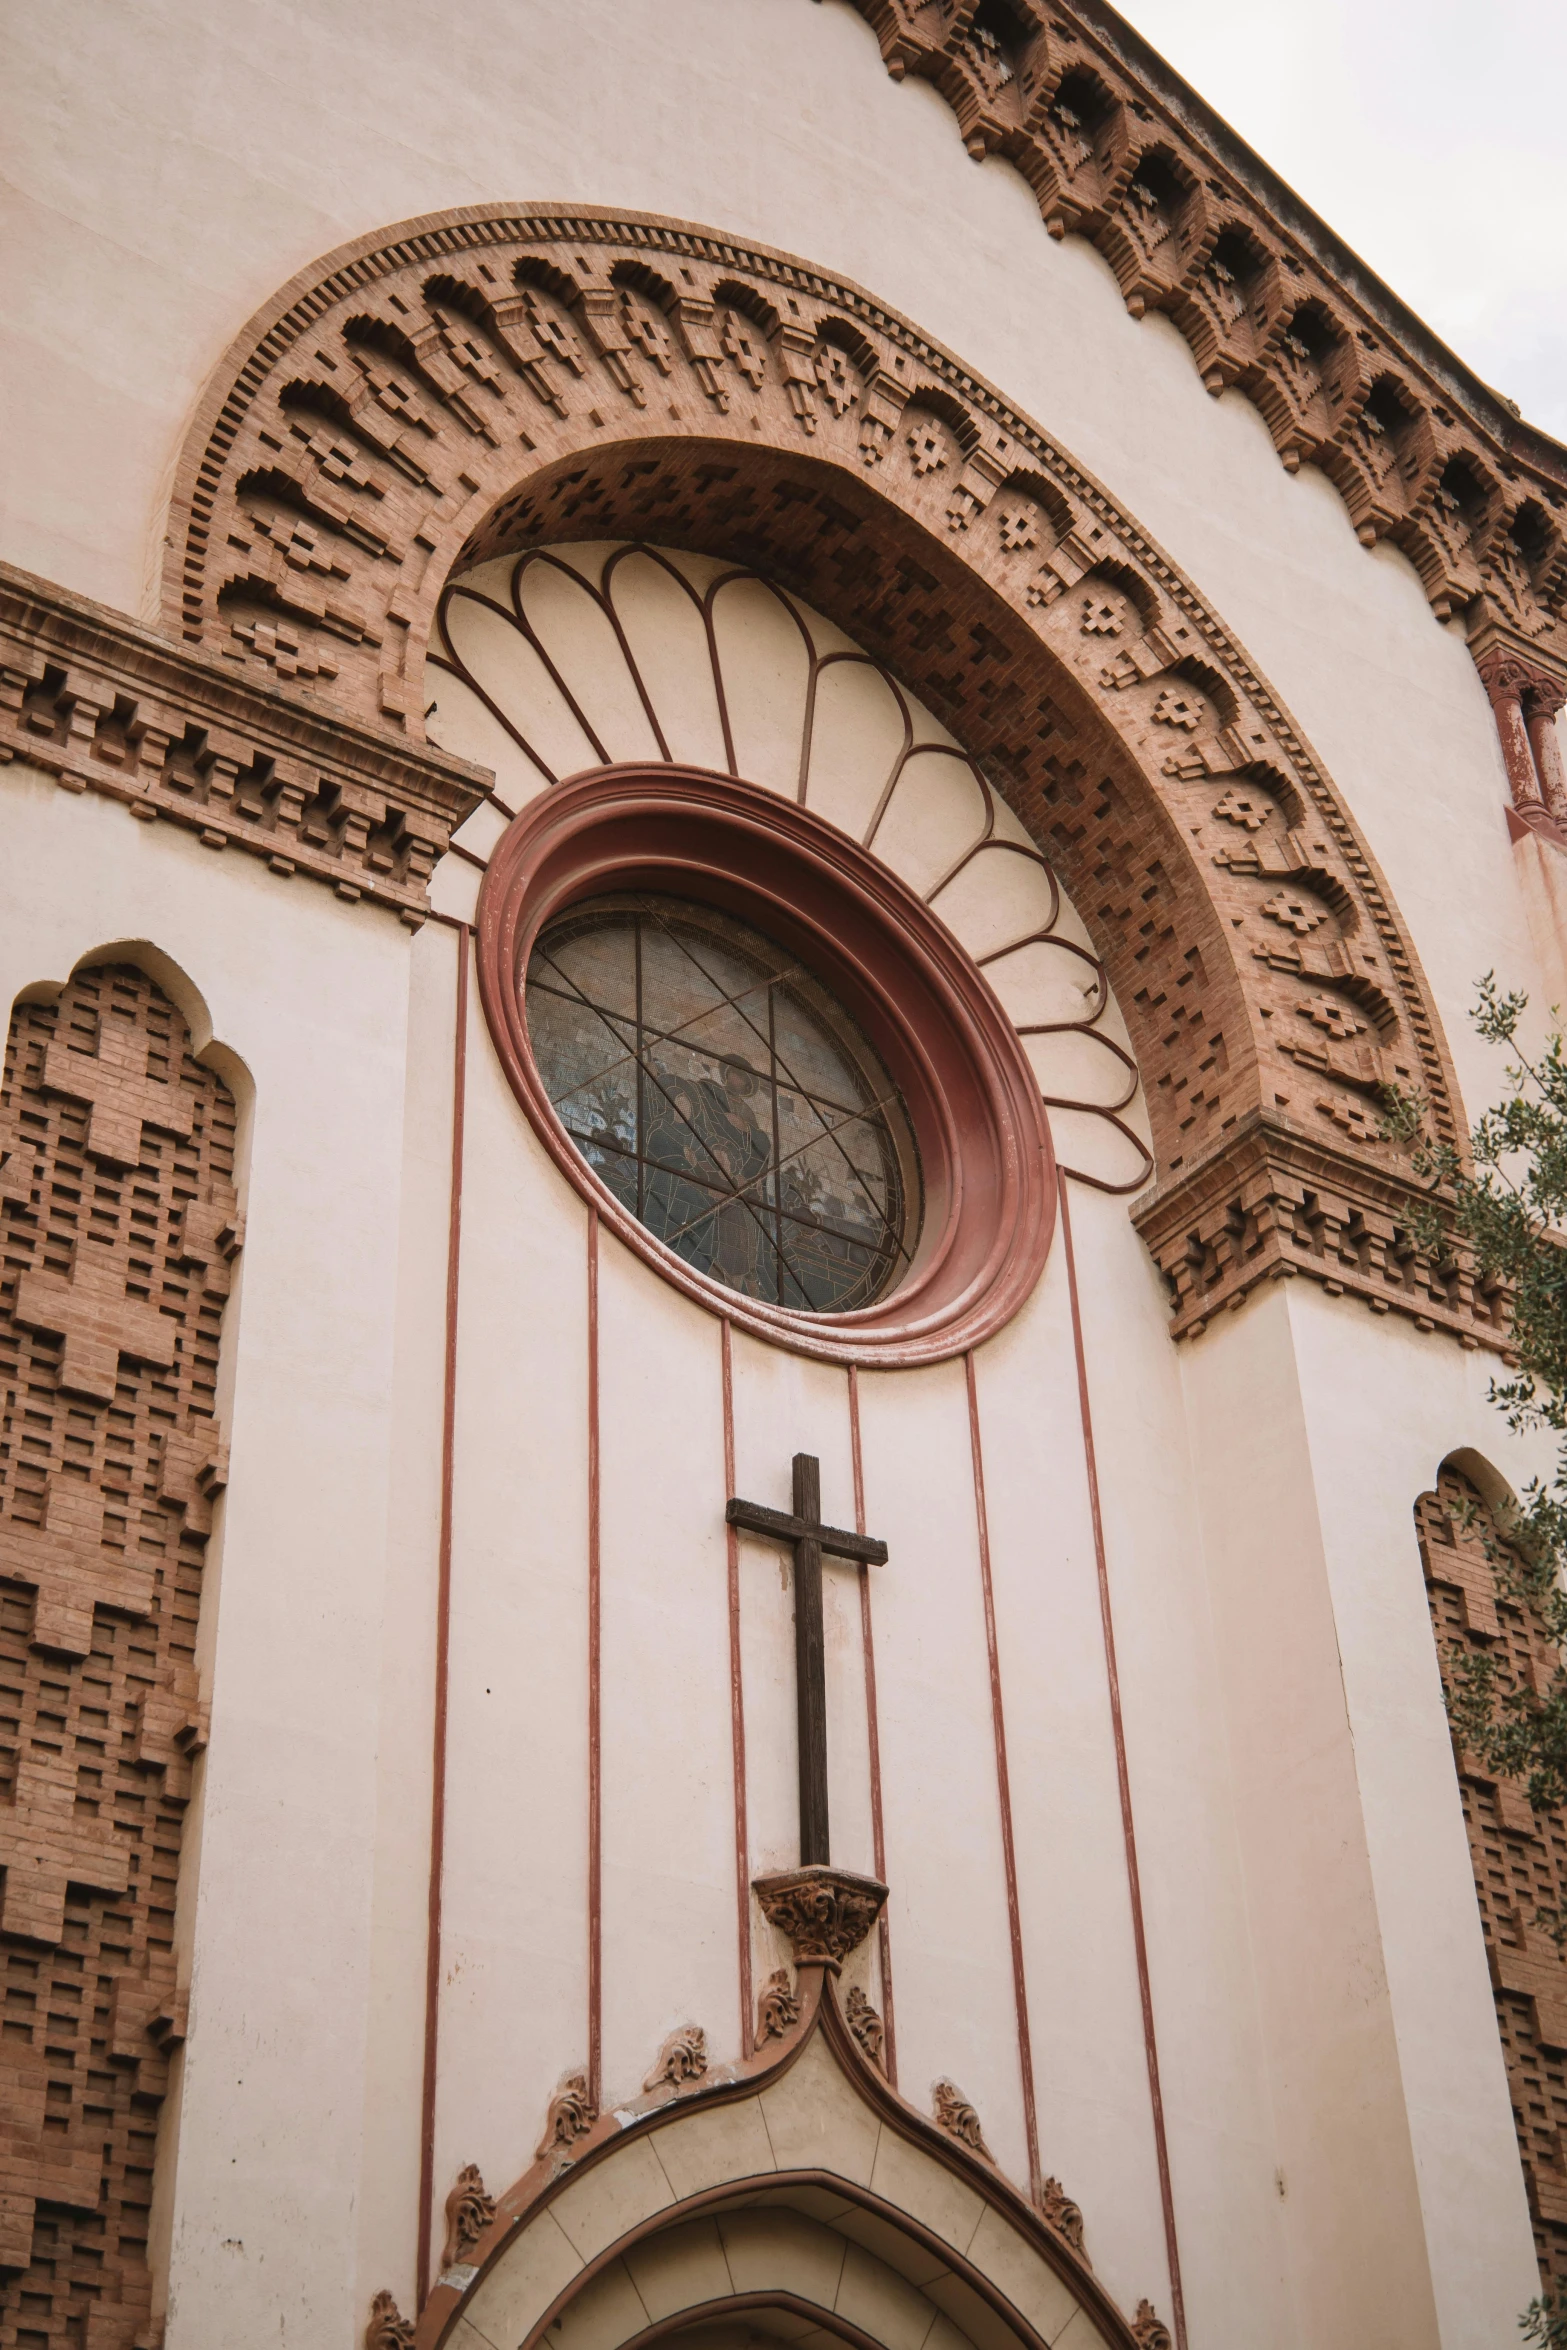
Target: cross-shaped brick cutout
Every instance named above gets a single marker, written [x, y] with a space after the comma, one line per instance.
[97, 1320]
[1539, 1971]
[72, 1573]
[35, 2166]
[119, 1090]
[1472, 1576]
[46, 1843]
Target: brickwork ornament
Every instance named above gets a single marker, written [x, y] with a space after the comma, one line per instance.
[483, 382]
[865, 2024]
[105, 706]
[119, 1174]
[388, 2329]
[825, 1912]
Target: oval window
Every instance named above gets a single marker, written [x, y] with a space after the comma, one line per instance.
[726, 1099]
[765, 1064]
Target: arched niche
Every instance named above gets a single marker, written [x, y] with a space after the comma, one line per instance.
[481, 383]
[121, 1153]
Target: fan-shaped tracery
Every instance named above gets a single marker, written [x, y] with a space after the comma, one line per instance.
[566, 658]
[551, 377]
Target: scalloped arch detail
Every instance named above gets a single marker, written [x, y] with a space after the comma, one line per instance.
[713, 2196]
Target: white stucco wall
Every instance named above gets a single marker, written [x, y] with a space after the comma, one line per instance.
[166, 171]
[274, 1924]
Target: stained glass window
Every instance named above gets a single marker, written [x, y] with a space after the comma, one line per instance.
[726, 1099]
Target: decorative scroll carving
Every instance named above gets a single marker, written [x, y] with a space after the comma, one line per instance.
[571, 2115]
[1063, 2215]
[388, 2329]
[469, 2211]
[1117, 150]
[104, 706]
[825, 1912]
[682, 2058]
[1149, 2328]
[1525, 700]
[824, 493]
[958, 2118]
[777, 2010]
[109, 1330]
[1519, 1856]
[865, 2024]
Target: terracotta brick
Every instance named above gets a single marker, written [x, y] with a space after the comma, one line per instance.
[108, 1367]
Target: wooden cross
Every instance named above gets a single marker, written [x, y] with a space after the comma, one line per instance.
[811, 1539]
[97, 1319]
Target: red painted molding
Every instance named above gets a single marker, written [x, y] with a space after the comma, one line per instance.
[988, 1167]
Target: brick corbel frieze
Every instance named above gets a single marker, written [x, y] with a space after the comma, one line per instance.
[106, 706]
[1119, 150]
[1274, 1203]
[480, 382]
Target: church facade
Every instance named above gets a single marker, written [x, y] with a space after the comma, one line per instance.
[738, 741]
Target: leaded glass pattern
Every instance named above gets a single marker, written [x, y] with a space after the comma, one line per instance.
[726, 1099]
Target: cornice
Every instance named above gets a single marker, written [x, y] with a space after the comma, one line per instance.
[174, 734]
[1274, 1202]
[1119, 150]
[1490, 409]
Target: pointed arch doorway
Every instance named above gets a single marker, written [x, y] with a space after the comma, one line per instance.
[793, 2198]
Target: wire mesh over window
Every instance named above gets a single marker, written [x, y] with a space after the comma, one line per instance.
[726, 1100]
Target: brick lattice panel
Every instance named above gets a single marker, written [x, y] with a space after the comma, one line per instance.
[119, 1224]
[1519, 1856]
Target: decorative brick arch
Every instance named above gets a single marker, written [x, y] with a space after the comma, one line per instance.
[481, 381]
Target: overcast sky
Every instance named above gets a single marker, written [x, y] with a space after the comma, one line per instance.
[1431, 134]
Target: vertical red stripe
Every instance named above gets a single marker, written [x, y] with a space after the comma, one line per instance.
[443, 1611]
[737, 1710]
[1134, 1881]
[595, 1780]
[1025, 2048]
[873, 1728]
